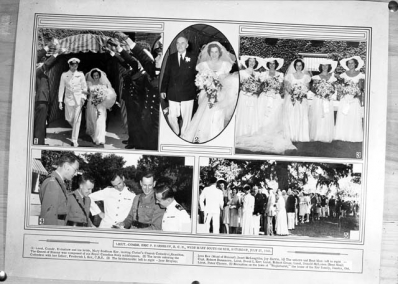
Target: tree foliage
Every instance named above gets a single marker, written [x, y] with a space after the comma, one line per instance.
[289, 49]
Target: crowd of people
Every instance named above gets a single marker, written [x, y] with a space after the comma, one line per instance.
[153, 209]
[265, 209]
[274, 111]
[76, 89]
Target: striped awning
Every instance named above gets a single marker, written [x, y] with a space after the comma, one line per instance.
[85, 43]
[313, 60]
[37, 167]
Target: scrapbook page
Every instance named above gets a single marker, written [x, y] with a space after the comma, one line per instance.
[219, 141]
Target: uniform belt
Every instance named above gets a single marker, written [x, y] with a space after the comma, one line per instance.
[140, 225]
[76, 224]
[61, 216]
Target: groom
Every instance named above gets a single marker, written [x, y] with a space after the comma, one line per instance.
[178, 85]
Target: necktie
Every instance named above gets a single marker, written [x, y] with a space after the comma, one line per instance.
[180, 59]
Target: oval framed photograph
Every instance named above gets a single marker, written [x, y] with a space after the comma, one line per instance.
[199, 83]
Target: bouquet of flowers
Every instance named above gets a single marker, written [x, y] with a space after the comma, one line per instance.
[208, 82]
[324, 89]
[272, 84]
[349, 88]
[298, 92]
[98, 95]
[251, 85]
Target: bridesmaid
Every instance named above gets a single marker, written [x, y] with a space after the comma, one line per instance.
[246, 111]
[321, 111]
[349, 115]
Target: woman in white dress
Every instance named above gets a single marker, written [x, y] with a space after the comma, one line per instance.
[349, 115]
[269, 137]
[296, 83]
[247, 210]
[321, 111]
[101, 97]
[247, 122]
[217, 104]
[281, 216]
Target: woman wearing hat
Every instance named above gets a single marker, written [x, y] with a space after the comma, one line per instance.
[73, 85]
[297, 82]
[349, 114]
[321, 112]
[102, 96]
[270, 101]
[247, 110]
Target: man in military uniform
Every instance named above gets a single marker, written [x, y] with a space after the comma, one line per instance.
[117, 202]
[53, 194]
[73, 85]
[139, 94]
[175, 219]
[46, 59]
[79, 203]
[145, 213]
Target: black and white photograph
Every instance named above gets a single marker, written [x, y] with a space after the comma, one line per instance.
[97, 89]
[283, 199]
[199, 83]
[301, 97]
[111, 191]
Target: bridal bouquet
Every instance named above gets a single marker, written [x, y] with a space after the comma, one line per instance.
[210, 84]
[272, 84]
[349, 88]
[324, 89]
[251, 85]
[98, 95]
[298, 92]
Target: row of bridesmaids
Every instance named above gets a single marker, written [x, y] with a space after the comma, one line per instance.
[273, 109]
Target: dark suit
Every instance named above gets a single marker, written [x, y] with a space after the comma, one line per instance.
[42, 98]
[179, 85]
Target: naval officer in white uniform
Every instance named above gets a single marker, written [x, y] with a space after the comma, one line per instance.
[73, 85]
[175, 218]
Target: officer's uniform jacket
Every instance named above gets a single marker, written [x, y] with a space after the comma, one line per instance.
[78, 208]
[176, 219]
[117, 205]
[72, 85]
[148, 212]
[53, 197]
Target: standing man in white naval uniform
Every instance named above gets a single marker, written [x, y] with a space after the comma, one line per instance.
[73, 85]
[175, 218]
[214, 205]
[117, 202]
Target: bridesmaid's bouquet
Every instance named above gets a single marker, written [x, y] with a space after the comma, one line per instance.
[252, 85]
[324, 89]
[349, 88]
[298, 92]
[272, 84]
[210, 84]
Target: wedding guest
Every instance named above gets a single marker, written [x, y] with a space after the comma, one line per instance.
[247, 209]
[73, 86]
[260, 201]
[145, 213]
[223, 186]
[53, 194]
[281, 217]
[79, 203]
[332, 206]
[214, 204]
[290, 209]
[117, 202]
[234, 205]
[270, 211]
[175, 218]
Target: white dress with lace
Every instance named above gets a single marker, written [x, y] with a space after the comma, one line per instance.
[208, 122]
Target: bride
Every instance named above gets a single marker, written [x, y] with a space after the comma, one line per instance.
[269, 138]
[218, 95]
[101, 97]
